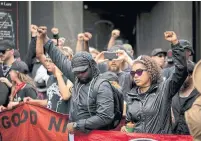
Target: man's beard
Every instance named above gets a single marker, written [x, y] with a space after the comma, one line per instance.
[114, 69]
[84, 80]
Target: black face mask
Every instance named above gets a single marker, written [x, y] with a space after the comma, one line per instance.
[85, 78]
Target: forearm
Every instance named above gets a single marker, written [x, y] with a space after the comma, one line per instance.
[64, 90]
[60, 60]
[129, 61]
[111, 42]
[86, 46]
[39, 48]
[79, 46]
[39, 102]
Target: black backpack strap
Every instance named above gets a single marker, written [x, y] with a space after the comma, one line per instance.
[95, 87]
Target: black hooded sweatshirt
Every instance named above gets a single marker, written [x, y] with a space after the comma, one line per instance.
[101, 106]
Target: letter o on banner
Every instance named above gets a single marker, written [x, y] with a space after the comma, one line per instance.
[16, 119]
[197, 76]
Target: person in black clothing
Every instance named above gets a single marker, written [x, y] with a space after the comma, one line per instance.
[59, 88]
[87, 112]
[149, 102]
[23, 86]
[183, 101]
[167, 72]
[159, 56]
[115, 65]
[7, 56]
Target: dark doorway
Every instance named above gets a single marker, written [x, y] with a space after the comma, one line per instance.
[100, 18]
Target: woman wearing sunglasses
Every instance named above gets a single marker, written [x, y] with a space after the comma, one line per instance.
[149, 102]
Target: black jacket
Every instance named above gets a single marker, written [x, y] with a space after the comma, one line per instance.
[151, 112]
[179, 107]
[101, 106]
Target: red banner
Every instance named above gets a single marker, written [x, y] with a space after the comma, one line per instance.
[28, 122]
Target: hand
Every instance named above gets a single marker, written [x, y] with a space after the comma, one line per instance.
[80, 37]
[57, 71]
[2, 108]
[55, 31]
[123, 129]
[171, 37]
[54, 41]
[6, 81]
[42, 33]
[100, 58]
[70, 127]
[115, 33]
[33, 29]
[87, 36]
[122, 55]
[27, 99]
[12, 104]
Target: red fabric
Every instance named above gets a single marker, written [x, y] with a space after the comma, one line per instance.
[28, 122]
[18, 87]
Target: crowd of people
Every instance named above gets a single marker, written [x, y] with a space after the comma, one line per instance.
[97, 89]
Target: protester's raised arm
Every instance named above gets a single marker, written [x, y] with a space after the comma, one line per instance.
[176, 80]
[114, 36]
[59, 59]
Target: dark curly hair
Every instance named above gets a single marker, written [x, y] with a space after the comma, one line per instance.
[152, 68]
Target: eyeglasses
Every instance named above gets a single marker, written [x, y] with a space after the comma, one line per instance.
[138, 72]
[4, 51]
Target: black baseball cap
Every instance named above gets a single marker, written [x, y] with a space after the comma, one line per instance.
[20, 66]
[6, 45]
[157, 51]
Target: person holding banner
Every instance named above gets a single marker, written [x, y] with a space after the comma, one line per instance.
[87, 112]
[59, 88]
[149, 102]
[23, 86]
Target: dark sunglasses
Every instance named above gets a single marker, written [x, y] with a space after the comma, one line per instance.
[4, 51]
[138, 72]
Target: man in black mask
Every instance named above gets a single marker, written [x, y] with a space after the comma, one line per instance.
[88, 111]
[182, 101]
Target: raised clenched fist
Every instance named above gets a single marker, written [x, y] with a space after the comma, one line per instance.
[42, 32]
[87, 36]
[55, 30]
[33, 28]
[80, 37]
[115, 33]
[171, 37]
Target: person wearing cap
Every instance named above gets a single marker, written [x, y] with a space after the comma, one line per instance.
[166, 72]
[83, 72]
[7, 57]
[159, 56]
[23, 86]
[149, 101]
[183, 101]
[59, 88]
[116, 65]
[129, 50]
